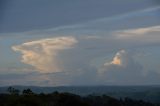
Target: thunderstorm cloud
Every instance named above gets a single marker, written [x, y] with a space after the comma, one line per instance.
[43, 54]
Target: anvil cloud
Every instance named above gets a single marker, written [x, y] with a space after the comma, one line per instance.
[43, 54]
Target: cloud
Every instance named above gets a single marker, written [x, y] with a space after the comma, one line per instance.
[97, 39]
[43, 54]
[122, 70]
[145, 35]
[118, 59]
[84, 64]
[121, 60]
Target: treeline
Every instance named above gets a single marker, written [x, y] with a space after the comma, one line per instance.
[29, 98]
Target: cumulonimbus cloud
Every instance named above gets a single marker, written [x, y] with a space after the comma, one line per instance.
[123, 69]
[120, 59]
[43, 54]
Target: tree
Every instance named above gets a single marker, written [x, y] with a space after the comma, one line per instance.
[27, 92]
[13, 91]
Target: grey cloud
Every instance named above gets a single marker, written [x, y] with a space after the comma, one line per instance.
[126, 72]
[17, 16]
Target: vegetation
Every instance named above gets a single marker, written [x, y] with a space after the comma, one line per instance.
[29, 98]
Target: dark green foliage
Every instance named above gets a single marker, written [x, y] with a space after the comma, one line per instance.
[28, 98]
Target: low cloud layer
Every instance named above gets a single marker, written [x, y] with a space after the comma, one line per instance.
[43, 54]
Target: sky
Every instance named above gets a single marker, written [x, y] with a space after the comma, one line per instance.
[79, 42]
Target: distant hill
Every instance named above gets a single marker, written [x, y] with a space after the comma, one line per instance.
[29, 98]
[147, 93]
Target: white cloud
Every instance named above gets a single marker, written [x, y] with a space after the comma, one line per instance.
[147, 35]
[121, 70]
[118, 59]
[121, 59]
[43, 54]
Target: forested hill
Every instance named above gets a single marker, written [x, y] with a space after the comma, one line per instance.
[146, 93]
[29, 98]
